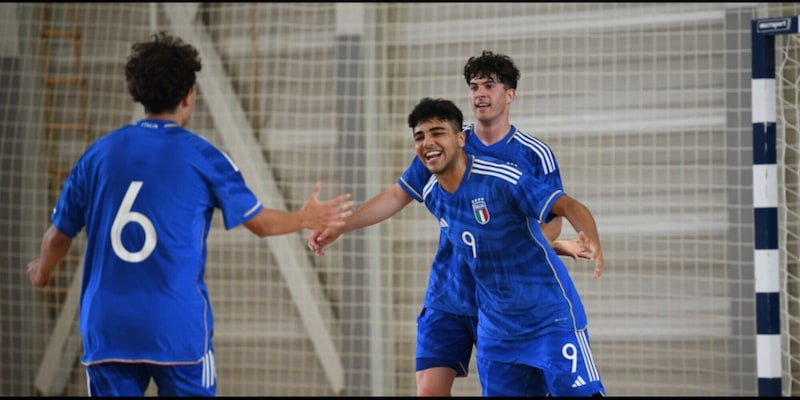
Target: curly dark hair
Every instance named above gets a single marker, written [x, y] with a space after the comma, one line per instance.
[429, 109]
[488, 65]
[161, 72]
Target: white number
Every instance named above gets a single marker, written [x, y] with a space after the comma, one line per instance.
[124, 216]
[570, 352]
[469, 239]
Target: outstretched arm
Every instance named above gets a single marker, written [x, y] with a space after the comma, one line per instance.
[377, 209]
[582, 220]
[574, 248]
[566, 247]
[315, 214]
[55, 245]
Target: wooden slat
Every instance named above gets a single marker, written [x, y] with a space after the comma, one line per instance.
[67, 127]
[65, 80]
[60, 34]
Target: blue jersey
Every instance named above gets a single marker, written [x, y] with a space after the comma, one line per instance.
[450, 284]
[146, 194]
[523, 288]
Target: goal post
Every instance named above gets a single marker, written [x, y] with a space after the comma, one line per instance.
[766, 202]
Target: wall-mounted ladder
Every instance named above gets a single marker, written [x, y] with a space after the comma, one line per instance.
[66, 121]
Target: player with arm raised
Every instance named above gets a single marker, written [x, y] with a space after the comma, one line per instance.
[531, 321]
[146, 194]
[447, 320]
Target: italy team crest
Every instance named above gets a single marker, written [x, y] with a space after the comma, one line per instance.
[480, 211]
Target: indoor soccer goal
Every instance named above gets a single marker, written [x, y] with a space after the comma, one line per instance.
[787, 95]
[647, 106]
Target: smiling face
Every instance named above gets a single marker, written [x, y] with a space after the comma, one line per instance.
[438, 145]
[490, 99]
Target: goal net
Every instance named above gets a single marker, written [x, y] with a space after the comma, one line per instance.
[787, 81]
[644, 104]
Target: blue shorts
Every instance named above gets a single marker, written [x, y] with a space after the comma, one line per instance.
[445, 340]
[558, 363]
[128, 379]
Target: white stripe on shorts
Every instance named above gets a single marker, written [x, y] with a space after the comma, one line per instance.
[209, 370]
[591, 368]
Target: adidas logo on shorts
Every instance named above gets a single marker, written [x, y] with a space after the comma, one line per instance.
[578, 382]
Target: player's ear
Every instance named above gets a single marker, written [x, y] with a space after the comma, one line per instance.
[190, 97]
[462, 138]
[511, 94]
